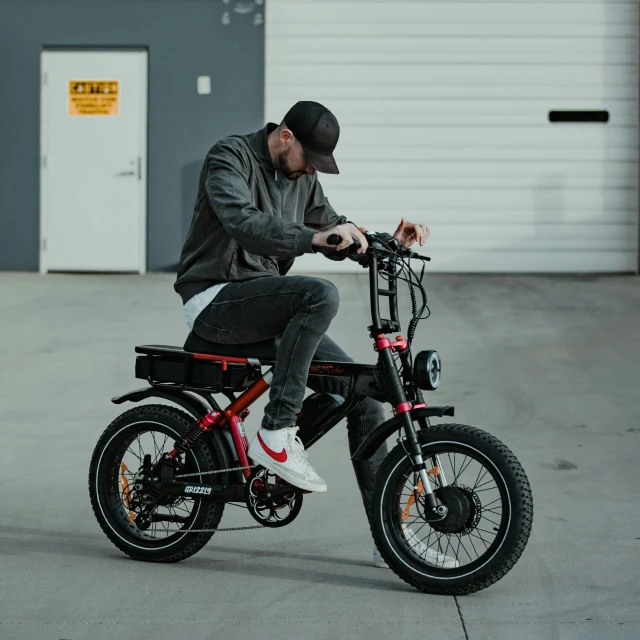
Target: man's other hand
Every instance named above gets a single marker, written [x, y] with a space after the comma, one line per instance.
[408, 232]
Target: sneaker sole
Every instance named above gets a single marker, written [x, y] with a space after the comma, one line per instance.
[268, 463]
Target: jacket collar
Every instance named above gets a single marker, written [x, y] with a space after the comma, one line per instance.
[261, 146]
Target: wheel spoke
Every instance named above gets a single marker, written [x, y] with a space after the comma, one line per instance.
[155, 445]
[497, 524]
[489, 481]
[465, 549]
[479, 538]
[133, 453]
[463, 468]
[484, 472]
[451, 464]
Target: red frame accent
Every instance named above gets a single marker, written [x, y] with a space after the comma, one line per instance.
[234, 414]
[223, 359]
[403, 407]
[384, 343]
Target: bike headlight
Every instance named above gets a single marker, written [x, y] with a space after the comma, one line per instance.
[427, 368]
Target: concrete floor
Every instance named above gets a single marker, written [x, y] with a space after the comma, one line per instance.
[549, 365]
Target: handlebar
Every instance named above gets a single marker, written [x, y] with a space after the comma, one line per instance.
[378, 243]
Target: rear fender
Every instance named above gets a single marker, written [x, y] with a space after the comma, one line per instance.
[375, 439]
[197, 406]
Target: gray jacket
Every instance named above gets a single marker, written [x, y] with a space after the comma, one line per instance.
[250, 221]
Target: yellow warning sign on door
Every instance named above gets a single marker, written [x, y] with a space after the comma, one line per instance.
[94, 98]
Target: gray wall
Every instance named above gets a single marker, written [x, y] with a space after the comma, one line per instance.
[185, 38]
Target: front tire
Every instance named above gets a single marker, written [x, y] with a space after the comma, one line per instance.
[497, 532]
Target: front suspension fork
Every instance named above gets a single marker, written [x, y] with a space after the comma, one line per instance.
[433, 510]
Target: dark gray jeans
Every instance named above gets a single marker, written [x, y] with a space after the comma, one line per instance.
[300, 309]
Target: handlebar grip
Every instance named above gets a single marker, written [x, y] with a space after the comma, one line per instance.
[334, 239]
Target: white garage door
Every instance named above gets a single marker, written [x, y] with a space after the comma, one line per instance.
[444, 113]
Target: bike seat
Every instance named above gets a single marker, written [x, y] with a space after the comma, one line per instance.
[265, 349]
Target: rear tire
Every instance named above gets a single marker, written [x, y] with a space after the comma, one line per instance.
[515, 516]
[104, 481]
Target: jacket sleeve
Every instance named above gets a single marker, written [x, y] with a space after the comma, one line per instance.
[320, 215]
[229, 195]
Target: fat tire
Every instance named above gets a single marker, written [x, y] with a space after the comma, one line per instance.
[209, 514]
[517, 535]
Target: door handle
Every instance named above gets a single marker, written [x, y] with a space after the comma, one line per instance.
[125, 173]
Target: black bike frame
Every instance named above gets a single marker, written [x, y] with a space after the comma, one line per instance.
[381, 381]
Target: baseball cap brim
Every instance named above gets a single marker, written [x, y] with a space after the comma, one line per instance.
[320, 162]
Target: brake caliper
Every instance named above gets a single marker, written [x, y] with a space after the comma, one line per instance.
[126, 491]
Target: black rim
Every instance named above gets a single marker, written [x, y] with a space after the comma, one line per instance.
[130, 449]
[479, 511]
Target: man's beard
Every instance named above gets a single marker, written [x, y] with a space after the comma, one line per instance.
[286, 169]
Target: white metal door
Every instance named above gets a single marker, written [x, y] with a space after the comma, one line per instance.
[444, 113]
[93, 170]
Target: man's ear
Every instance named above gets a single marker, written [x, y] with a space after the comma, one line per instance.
[286, 136]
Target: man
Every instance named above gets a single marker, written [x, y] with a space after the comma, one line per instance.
[260, 205]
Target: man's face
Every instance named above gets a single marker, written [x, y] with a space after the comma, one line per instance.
[293, 162]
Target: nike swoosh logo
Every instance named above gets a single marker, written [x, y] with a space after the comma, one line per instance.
[278, 457]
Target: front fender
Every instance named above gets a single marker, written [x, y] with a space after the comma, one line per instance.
[375, 439]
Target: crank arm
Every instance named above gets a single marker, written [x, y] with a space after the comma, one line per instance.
[279, 491]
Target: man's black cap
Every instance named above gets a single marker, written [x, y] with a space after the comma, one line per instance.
[317, 130]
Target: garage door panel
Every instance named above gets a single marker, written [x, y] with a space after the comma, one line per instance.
[487, 14]
[581, 58]
[543, 136]
[383, 219]
[543, 183]
[441, 155]
[278, 28]
[391, 75]
[317, 48]
[471, 200]
[367, 113]
[546, 174]
[308, 90]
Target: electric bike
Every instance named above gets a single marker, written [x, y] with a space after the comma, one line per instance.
[452, 509]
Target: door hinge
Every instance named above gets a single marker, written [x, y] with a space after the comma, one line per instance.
[45, 77]
[44, 162]
[44, 244]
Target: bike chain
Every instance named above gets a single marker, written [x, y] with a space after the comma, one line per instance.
[208, 473]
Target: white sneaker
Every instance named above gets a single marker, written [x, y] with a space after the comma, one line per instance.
[282, 452]
[378, 560]
[434, 557]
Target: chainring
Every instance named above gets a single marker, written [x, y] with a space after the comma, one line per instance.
[267, 510]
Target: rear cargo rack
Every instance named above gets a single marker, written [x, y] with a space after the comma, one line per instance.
[166, 366]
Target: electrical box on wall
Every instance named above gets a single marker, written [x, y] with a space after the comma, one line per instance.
[204, 85]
